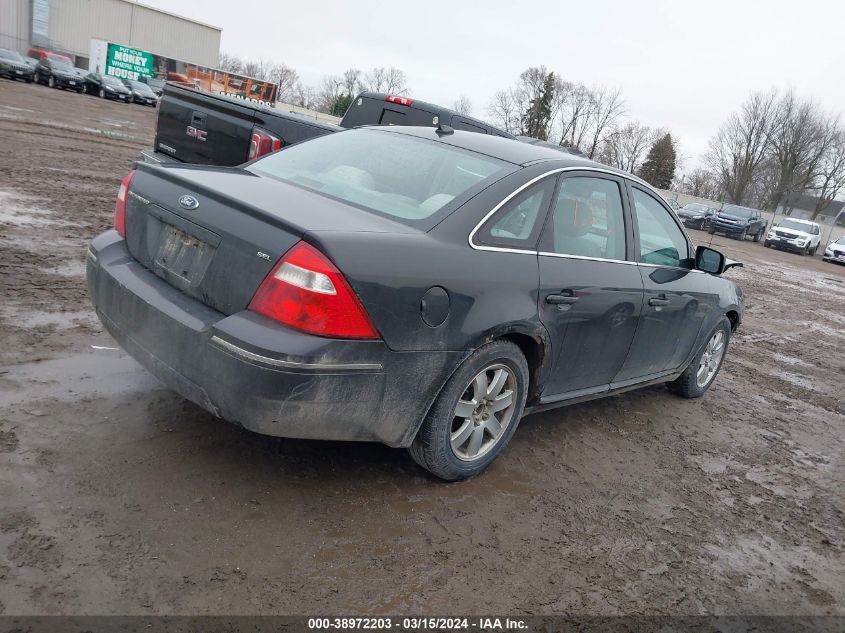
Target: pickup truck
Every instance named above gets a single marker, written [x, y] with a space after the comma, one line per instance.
[204, 128]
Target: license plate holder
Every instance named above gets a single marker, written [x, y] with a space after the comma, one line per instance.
[182, 256]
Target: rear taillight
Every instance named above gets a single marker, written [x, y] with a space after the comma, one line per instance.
[120, 205]
[307, 292]
[262, 143]
[405, 101]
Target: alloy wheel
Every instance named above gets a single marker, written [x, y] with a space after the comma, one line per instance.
[710, 359]
[483, 412]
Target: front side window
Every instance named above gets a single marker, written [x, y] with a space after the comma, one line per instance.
[661, 240]
[518, 222]
[404, 177]
[587, 219]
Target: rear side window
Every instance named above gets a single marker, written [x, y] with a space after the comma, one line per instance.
[403, 177]
[587, 219]
[517, 224]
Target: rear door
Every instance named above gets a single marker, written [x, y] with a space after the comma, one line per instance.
[590, 294]
[197, 128]
[677, 297]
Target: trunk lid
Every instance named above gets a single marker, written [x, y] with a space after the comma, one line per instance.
[221, 250]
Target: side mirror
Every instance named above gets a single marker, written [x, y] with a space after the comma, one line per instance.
[709, 260]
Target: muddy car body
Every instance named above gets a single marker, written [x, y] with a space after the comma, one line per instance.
[383, 284]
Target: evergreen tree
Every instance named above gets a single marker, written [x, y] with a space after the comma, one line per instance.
[341, 105]
[659, 167]
[538, 116]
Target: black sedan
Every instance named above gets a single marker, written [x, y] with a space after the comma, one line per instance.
[58, 73]
[419, 287]
[695, 215]
[107, 87]
[141, 93]
[13, 66]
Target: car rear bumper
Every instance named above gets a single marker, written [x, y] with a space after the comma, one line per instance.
[257, 373]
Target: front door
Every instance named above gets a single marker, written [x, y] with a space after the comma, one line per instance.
[590, 297]
[677, 297]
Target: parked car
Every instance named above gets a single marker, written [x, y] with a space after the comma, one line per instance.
[58, 73]
[156, 85]
[381, 284]
[738, 222]
[835, 251]
[696, 216]
[107, 87]
[13, 66]
[673, 204]
[39, 53]
[141, 92]
[800, 236]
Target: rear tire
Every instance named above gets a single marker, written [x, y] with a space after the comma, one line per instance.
[702, 371]
[465, 431]
[757, 236]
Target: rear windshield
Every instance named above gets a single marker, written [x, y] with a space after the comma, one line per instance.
[403, 177]
[698, 208]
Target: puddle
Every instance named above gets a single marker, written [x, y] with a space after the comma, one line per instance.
[97, 373]
[26, 317]
[16, 209]
[794, 379]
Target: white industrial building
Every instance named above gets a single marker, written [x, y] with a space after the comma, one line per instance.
[68, 26]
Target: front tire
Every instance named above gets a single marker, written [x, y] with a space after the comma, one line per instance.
[102, 93]
[702, 371]
[743, 235]
[757, 236]
[51, 82]
[475, 414]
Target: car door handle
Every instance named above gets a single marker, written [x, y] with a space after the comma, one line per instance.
[658, 301]
[556, 299]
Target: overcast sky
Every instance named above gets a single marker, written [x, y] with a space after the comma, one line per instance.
[681, 65]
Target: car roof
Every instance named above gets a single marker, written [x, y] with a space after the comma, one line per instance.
[508, 150]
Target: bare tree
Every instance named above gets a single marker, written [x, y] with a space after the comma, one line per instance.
[259, 69]
[330, 92]
[625, 147]
[739, 147]
[230, 63]
[462, 105]
[389, 80]
[352, 81]
[829, 181]
[286, 79]
[701, 183]
[608, 106]
[798, 139]
[575, 111]
[506, 110]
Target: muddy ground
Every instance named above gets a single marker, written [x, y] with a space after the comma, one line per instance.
[119, 497]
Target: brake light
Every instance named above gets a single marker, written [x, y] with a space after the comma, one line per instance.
[262, 143]
[405, 101]
[307, 292]
[120, 205]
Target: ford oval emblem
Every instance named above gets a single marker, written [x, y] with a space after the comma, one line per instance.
[189, 202]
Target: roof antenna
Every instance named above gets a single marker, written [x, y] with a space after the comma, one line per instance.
[443, 130]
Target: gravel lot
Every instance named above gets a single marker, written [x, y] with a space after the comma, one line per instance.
[119, 497]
